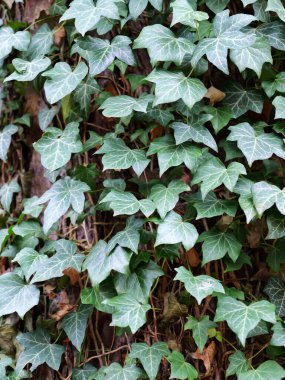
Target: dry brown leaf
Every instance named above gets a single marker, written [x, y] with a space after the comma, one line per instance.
[33, 8]
[33, 102]
[193, 258]
[207, 356]
[59, 35]
[214, 95]
[172, 310]
[156, 132]
[73, 275]
[254, 234]
[60, 306]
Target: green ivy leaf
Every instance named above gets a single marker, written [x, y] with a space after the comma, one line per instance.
[274, 32]
[27, 71]
[165, 198]
[278, 337]
[266, 371]
[5, 139]
[56, 146]
[173, 86]
[271, 86]
[6, 193]
[29, 260]
[242, 318]
[238, 364]
[180, 369]
[277, 7]
[123, 105]
[162, 45]
[136, 7]
[220, 116]
[128, 238]
[9, 40]
[173, 230]
[275, 289]
[217, 6]
[266, 195]
[198, 286]
[38, 350]
[116, 372]
[41, 43]
[46, 116]
[87, 15]
[244, 188]
[200, 329]
[149, 356]
[213, 173]
[62, 80]
[213, 206]
[16, 295]
[279, 104]
[186, 13]
[83, 93]
[216, 244]
[276, 225]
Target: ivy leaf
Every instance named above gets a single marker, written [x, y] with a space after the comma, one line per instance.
[57, 8]
[63, 194]
[213, 173]
[128, 238]
[9, 40]
[256, 145]
[279, 104]
[126, 203]
[38, 350]
[6, 193]
[198, 286]
[41, 43]
[83, 93]
[124, 105]
[101, 53]
[227, 34]
[213, 206]
[136, 7]
[252, 57]
[65, 257]
[274, 32]
[62, 80]
[56, 146]
[184, 132]
[46, 116]
[173, 230]
[216, 244]
[74, 324]
[162, 45]
[99, 264]
[119, 156]
[127, 311]
[278, 337]
[116, 372]
[243, 187]
[173, 86]
[200, 329]
[242, 318]
[180, 369]
[220, 116]
[87, 15]
[217, 6]
[187, 14]
[29, 260]
[266, 371]
[238, 364]
[169, 154]
[266, 195]
[276, 225]
[276, 255]
[27, 71]
[275, 289]
[241, 100]
[5, 139]
[277, 7]
[271, 86]
[5, 361]
[149, 356]
[165, 198]
[85, 373]
[16, 295]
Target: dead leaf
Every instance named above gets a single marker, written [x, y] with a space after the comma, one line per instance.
[60, 306]
[33, 8]
[73, 275]
[214, 95]
[254, 234]
[193, 258]
[156, 132]
[207, 356]
[34, 102]
[59, 35]
[172, 310]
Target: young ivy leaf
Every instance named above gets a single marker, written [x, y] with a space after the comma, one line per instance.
[16, 295]
[217, 6]
[165, 198]
[63, 194]
[266, 195]
[27, 71]
[276, 225]
[173, 86]
[101, 53]
[6, 193]
[227, 34]
[243, 187]
[186, 13]
[56, 146]
[200, 329]
[271, 86]
[173, 230]
[180, 369]
[87, 14]
[266, 371]
[198, 286]
[119, 156]
[220, 116]
[38, 350]
[65, 257]
[162, 45]
[9, 40]
[124, 105]
[5, 139]
[62, 80]
[256, 145]
[213, 173]
[74, 324]
[242, 318]
[128, 311]
[149, 356]
[216, 244]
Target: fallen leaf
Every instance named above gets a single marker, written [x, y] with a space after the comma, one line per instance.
[193, 258]
[172, 310]
[73, 275]
[214, 95]
[33, 8]
[207, 356]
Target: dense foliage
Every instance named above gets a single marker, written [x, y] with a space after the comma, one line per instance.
[142, 172]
